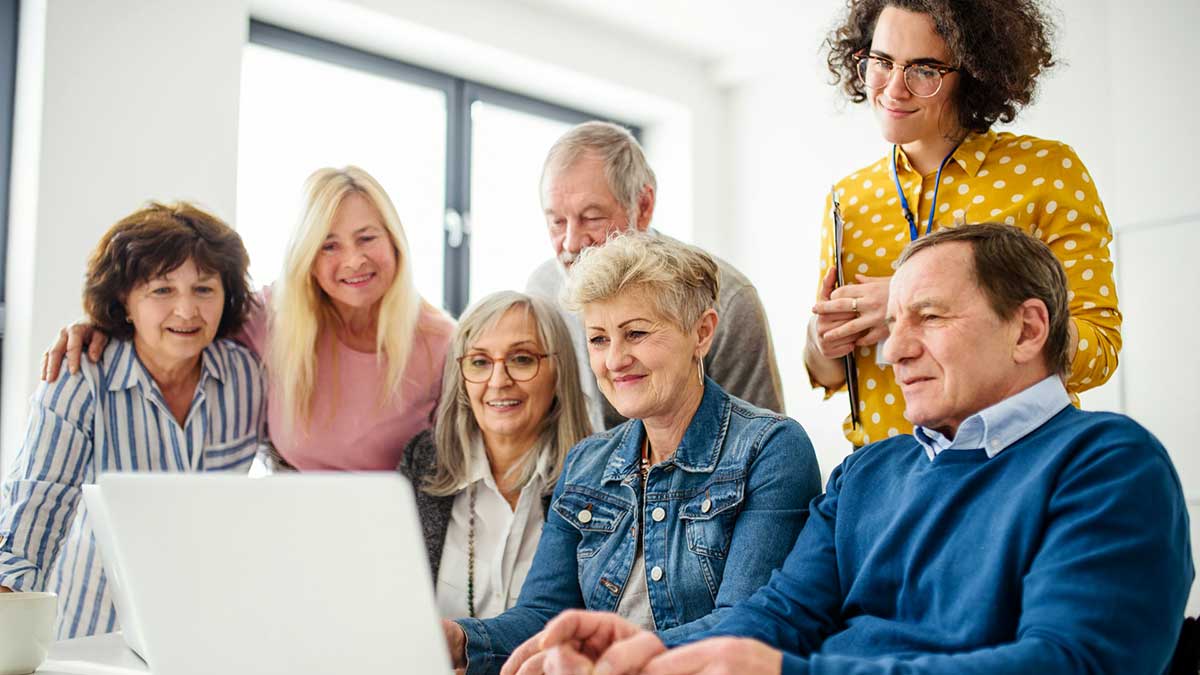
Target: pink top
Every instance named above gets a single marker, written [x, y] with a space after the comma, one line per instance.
[349, 431]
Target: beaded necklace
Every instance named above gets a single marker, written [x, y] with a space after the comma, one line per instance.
[471, 554]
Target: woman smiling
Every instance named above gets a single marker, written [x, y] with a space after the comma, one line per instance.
[507, 418]
[938, 74]
[354, 354]
[675, 515]
[169, 393]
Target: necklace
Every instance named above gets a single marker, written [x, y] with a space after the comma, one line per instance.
[471, 554]
[913, 233]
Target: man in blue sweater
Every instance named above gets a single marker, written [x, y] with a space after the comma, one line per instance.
[1010, 533]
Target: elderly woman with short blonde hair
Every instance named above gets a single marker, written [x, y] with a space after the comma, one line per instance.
[677, 514]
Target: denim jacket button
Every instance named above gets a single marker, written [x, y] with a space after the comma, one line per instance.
[656, 573]
[706, 505]
[658, 514]
[585, 516]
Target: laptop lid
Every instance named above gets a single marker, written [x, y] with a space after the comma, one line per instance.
[295, 574]
[98, 517]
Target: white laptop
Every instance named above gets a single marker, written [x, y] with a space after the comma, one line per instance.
[295, 574]
[113, 572]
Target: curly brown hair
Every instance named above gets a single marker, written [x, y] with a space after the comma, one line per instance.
[153, 241]
[1000, 47]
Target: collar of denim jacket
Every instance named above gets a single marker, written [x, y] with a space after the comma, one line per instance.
[697, 452]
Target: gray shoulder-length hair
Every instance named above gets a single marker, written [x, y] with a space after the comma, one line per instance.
[565, 424]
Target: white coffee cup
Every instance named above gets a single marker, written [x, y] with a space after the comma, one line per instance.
[27, 627]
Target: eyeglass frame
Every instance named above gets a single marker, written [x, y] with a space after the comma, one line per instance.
[504, 361]
[942, 69]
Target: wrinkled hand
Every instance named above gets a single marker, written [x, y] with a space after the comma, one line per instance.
[456, 643]
[571, 643]
[839, 329]
[563, 659]
[71, 341]
[718, 656]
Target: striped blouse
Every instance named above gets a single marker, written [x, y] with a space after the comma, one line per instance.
[112, 416]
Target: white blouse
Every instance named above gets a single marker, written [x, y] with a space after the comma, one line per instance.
[505, 541]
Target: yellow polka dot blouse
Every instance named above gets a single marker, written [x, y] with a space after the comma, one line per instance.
[1037, 185]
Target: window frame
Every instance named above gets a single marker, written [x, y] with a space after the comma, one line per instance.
[460, 94]
[10, 13]
[10, 21]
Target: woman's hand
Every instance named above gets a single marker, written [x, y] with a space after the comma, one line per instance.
[456, 643]
[832, 313]
[71, 341]
[857, 314]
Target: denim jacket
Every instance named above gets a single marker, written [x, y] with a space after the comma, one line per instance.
[720, 515]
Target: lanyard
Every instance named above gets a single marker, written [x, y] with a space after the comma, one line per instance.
[908, 214]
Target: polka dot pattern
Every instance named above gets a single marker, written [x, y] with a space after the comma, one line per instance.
[1039, 186]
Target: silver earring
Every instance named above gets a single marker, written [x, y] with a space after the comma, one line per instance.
[700, 364]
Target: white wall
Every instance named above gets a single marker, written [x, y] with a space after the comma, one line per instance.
[117, 103]
[1133, 125]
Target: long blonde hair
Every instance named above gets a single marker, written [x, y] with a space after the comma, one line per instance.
[303, 312]
[565, 424]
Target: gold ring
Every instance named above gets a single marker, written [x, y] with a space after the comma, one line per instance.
[854, 305]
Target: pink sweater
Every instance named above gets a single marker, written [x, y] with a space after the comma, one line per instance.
[349, 431]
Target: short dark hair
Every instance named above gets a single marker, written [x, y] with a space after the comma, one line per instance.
[1011, 267]
[1000, 47]
[151, 242]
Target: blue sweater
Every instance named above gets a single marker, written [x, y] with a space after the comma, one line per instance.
[1068, 552]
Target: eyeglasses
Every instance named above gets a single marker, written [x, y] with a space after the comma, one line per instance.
[520, 366]
[922, 79]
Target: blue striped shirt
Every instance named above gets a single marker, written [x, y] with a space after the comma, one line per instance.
[112, 416]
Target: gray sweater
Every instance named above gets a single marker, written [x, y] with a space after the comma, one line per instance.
[741, 360]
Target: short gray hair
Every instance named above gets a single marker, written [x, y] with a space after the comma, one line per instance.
[681, 281]
[625, 165]
[456, 428]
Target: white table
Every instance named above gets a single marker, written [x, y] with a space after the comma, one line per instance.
[97, 655]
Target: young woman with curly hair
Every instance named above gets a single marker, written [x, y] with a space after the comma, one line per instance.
[938, 74]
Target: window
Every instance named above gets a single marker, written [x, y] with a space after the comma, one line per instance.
[460, 160]
[8, 81]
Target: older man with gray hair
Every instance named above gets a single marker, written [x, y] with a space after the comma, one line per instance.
[1009, 533]
[596, 182]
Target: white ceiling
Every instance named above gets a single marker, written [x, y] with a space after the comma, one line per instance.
[730, 36]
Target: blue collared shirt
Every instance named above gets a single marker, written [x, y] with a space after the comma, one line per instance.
[996, 427]
[111, 416]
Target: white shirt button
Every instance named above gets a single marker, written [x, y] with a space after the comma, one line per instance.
[706, 505]
[585, 516]
[656, 573]
[658, 514]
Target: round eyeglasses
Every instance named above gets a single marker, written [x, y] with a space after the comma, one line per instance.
[922, 79]
[520, 366]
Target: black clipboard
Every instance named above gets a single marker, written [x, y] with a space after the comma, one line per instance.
[847, 360]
